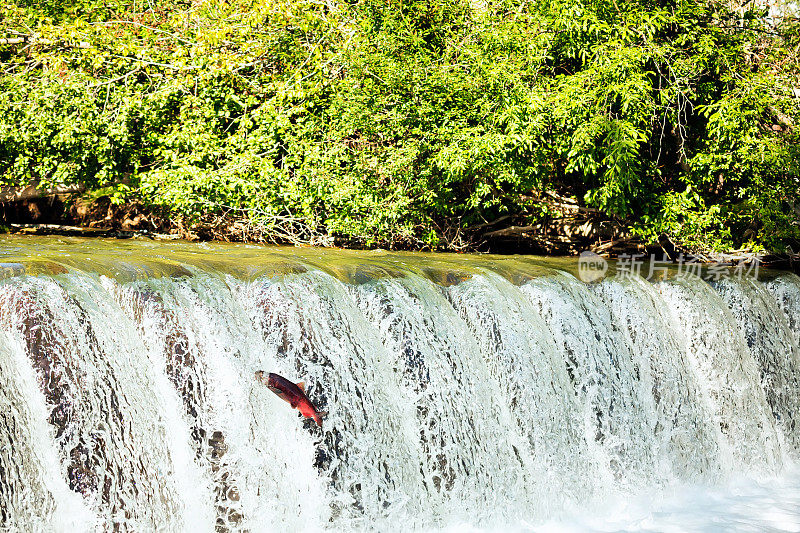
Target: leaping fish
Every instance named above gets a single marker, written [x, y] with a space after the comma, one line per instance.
[292, 393]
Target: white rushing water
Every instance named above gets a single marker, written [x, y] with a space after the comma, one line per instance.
[482, 401]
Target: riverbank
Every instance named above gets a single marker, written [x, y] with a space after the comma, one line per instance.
[570, 229]
[67, 215]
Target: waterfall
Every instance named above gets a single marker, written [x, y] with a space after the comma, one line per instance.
[486, 392]
[728, 375]
[786, 291]
[615, 409]
[521, 355]
[33, 493]
[774, 348]
[684, 442]
[472, 451]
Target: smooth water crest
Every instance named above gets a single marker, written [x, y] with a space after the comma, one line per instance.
[460, 392]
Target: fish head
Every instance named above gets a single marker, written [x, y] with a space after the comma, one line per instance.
[318, 416]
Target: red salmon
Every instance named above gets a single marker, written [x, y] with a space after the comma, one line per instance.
[294, 394]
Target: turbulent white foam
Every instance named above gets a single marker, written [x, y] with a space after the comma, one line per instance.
[747, 505]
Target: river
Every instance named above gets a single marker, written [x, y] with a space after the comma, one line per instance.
[464, 392]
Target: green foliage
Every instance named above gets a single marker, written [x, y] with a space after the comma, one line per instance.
[396, 122]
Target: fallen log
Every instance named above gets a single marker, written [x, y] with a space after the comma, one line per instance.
[60, 229]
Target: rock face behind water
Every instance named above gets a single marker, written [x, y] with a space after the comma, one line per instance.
[460, 390]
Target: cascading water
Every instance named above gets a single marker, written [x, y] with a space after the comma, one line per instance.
[773, 347]
[521, 355]
[616, 409]
[786, 291]
[113, 418]
[727, 373]
[472, 452]
[489, 392]
[684, 444]
[34, 493]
